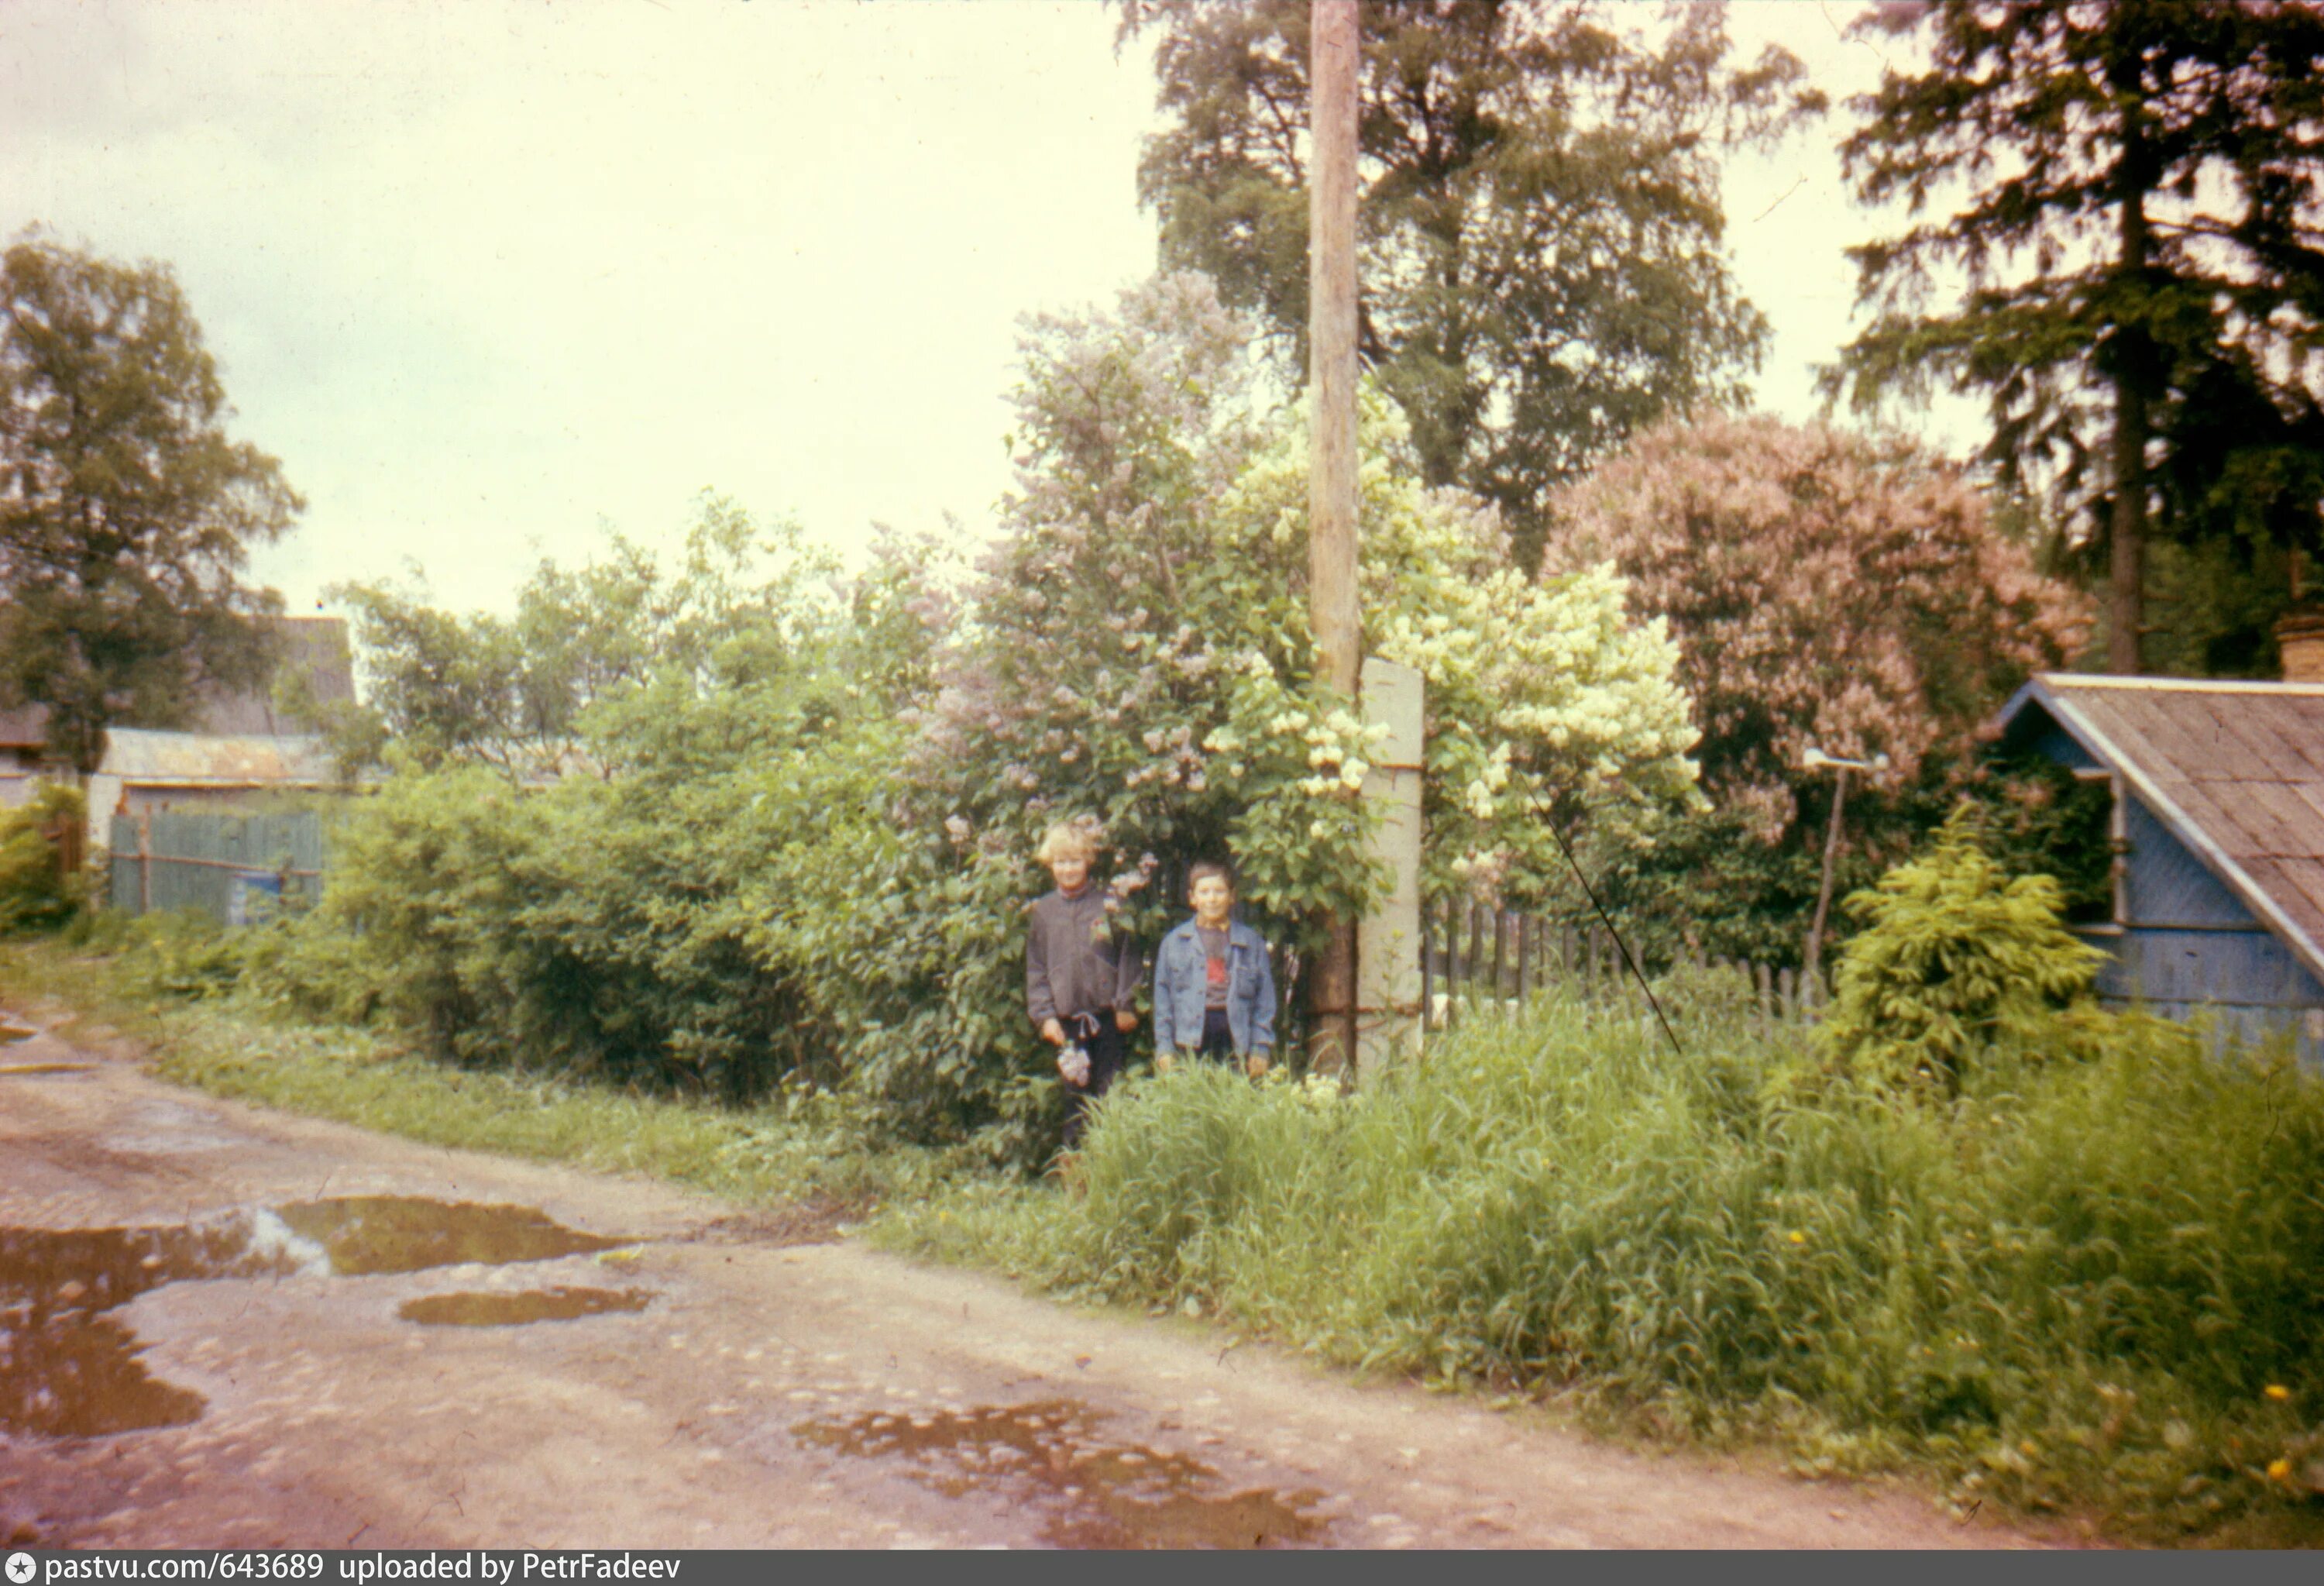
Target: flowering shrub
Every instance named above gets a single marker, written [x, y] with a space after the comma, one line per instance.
[1823, 588]
[809, 849]
[1138, 648]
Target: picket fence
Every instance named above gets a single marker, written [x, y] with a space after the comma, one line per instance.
[1475, 956]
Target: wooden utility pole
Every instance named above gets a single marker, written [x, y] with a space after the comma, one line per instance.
[1814, 760]
[1332, 487]
[1813, 957]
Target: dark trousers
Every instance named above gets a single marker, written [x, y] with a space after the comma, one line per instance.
[1103, 1041]
[1218, 1036]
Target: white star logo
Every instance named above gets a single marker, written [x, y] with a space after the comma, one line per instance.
[21, 1567]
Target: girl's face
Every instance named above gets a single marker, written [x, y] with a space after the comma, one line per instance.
[1214, 899]
[1070, 870]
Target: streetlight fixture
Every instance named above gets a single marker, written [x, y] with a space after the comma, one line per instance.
[1814, 759]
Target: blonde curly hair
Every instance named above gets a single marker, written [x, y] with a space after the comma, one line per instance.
[1079, 838]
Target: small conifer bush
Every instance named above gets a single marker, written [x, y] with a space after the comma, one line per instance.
[1957, 957]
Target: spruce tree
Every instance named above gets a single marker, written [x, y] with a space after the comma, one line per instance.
[2133, 221]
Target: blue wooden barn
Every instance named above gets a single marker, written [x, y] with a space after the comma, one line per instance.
[2218, 836]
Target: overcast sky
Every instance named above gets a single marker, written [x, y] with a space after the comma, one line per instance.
[485, 276]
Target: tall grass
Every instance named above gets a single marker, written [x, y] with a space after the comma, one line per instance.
[2096, 1282]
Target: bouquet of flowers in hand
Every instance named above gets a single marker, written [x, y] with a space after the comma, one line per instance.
[1073, 1062]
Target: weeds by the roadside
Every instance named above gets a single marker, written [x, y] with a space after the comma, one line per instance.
[793, 1149]
[2090, 1285]
[2095, 1285]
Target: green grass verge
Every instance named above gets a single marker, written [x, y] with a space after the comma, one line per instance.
[809, 1153]
[2089, 1287]
[2092, 1287]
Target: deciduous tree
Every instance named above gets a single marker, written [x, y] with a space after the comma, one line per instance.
[1539, 217]
[513, 693]
[126, 513]
[1824, 588]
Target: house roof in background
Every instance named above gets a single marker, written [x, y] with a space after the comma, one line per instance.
[2236, 769]
[317, 646]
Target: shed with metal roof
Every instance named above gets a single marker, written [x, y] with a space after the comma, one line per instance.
[236, 744]
[315, 647]
[2218, 835]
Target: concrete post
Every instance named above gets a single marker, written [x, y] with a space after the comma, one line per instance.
[1387, 951]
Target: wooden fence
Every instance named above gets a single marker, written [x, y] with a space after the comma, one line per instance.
[235, 868]
[68, 839]
[1472, 956]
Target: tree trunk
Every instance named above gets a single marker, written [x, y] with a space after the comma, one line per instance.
[2134, 370]
[1331, 487]
[2126, 571]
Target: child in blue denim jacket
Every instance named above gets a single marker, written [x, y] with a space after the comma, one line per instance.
[1213, 988]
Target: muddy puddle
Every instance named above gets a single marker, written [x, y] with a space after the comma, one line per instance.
[1093, 1491]
[67, 1369]
[363, 1235]
[483, 1308]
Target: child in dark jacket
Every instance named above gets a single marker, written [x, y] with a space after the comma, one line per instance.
[1080, 973]
[1213, 987]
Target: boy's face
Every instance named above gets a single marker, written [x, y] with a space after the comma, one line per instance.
[1213, 899]
[1069, 871]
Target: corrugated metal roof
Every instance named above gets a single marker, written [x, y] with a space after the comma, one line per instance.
[317, 646]
[2236, 769]
[205, 760]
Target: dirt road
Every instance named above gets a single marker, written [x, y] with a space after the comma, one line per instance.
[232, 1327]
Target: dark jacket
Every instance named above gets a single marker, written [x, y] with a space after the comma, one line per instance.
[1076, 960]
[1178, 985]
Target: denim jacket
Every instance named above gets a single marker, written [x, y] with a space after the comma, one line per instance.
[1179, 985]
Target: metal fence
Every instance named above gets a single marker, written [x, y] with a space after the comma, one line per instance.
[1472, 956]
[235, 868]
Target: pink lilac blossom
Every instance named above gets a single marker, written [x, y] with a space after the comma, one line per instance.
[1824, 588]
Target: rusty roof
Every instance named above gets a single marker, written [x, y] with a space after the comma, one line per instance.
[144, 759]
[317, 646]
[2236, 769]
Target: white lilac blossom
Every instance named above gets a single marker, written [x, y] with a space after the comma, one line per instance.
[1157, 521]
